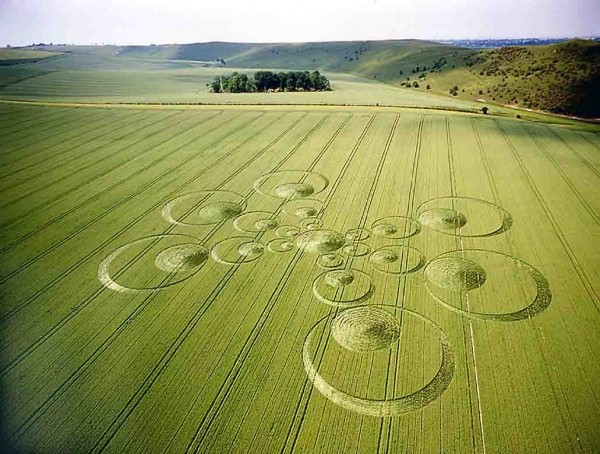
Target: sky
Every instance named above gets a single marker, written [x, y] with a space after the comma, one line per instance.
[183, 21]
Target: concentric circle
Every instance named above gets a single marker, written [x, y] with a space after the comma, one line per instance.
[256, 221]
[365, 329]
[367, 336]
[287, 231]
[237, 250]
[356, 250]
[487, 285]
[303, 208]
[152, 263]
[311, 223]
[204, 208]
[343, 287]
[358, 234]
[397, 259]
[331, 260]
[181, 257]
[291, 184]
[464, 216]
[281, 245]
[320, 241]
[395, 227]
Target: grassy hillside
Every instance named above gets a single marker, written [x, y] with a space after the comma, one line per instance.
[561, 78]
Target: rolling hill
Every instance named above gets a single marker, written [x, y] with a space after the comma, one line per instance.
[560, 78]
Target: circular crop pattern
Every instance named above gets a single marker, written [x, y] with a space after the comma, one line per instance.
[464, 216]
[343, 287]
[152, 263]
[364, 328]
[369, 335]
[311, 223]
[487, 285]
[395, 227]
[455, 273]
[237, 250]
[358, 234]
[256, 221]
[291, 184]
[320, 241]
[287, 231]
[397, 259]
[331, 260]
[280, 245]
[303, 208]
[356, 250]
[203, 208]
[182, 257]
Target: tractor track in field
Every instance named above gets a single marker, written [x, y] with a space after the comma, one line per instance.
[81, 369]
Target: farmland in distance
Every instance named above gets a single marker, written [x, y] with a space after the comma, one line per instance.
[297, 280]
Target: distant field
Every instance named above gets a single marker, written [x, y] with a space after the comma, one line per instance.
[12, 56]
[308, 280]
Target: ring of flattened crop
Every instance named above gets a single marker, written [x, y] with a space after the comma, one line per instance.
[108, 281]
[540, 302]
[383, 407]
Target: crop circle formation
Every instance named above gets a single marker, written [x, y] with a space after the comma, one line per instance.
[367, 330]
[470, 281]
[397, 259]
[303, 208]
[291, 184]
[464, 216]
[204, 208]
[341, 287]
[152, 263]
[395, 227]
[237, 250]
[256, 221]
[320, 241]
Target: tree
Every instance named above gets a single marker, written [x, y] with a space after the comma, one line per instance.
[484, 110]
[415, 84]
[428, 87]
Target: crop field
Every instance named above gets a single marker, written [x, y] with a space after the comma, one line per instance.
[297, 280]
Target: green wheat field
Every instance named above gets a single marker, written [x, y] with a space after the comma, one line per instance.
[297, 279]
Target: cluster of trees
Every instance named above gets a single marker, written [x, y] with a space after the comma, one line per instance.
[269, 81]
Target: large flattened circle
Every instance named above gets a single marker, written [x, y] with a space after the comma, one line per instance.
[152, 263]
[291, 184]
[487, 285]
[320, 241]
[341, 287]
[464, 216]
[360, 341]
[204, 208]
